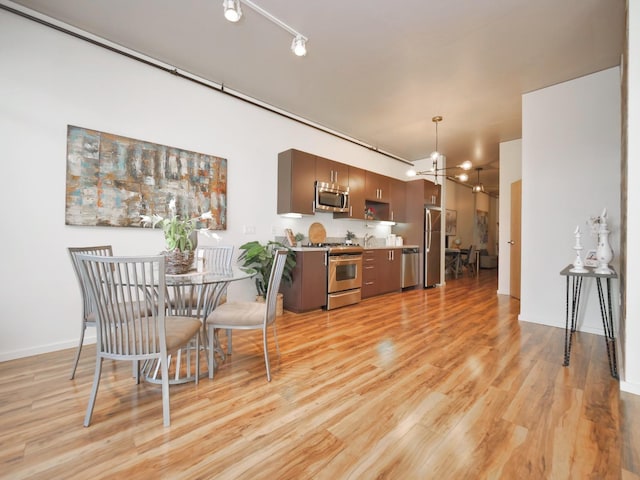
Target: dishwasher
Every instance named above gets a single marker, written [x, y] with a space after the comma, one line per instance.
[410, 267]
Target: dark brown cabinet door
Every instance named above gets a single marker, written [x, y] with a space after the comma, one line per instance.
[329, 171]
[296, 182]
[398, 200]
[377, 187]
[356, 195]
[432, 193]
[389, 262]
[308, 290]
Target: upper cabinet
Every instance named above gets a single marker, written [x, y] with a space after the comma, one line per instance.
[356, 195]
[329, 171]
[372, 196]
[432, 193]
[398, 200]
[377, 187]
[296, 179]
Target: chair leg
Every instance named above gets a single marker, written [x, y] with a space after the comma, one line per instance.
[75, 362]
[211, 348]
[266, 353]
[229, 340]
[94, 391]
[198, 357]
[166, 415]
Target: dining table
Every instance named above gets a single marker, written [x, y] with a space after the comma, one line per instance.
[452, 261]
[193, 294]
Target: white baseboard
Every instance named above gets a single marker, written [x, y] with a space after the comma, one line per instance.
[52, 347]
[633, 388]
[595, 331]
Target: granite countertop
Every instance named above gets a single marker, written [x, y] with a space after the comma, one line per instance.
[372, 247]
[378, 247]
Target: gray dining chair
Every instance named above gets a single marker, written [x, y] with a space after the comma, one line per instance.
[469, 262]
[88, 318]
[249, 315]
[216, 258]
[128, 297]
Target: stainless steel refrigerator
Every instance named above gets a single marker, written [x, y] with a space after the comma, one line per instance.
[432, 245]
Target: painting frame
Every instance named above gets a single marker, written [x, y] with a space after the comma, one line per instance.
[451, 222]
[111, 180]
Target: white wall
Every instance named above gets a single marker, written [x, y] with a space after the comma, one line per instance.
[510, 171]
[570, 171]
[631, 335]
[49, 80]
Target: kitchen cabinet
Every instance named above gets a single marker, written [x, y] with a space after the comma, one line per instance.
[369, 274]
[432, 193]
[308, 289]
[356, 195]
[377, 187]
[329, 171]
[296, 180]
[381, 271]
[398, 200]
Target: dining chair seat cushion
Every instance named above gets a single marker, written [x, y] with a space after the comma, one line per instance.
[179, 328]
[238, 314]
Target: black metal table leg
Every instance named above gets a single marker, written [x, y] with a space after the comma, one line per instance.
[606, 310]
[570, 325]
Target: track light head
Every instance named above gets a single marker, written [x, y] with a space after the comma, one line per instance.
[232, 10]
[299, 46]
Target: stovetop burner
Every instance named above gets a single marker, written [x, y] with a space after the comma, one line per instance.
[337, 248]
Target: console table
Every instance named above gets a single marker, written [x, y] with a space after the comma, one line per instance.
[574, 289]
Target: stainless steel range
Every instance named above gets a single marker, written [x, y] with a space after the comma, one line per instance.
[344, 276]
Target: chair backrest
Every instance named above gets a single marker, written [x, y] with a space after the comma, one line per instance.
[471, 256]
[275, 277]
[126, 293]
[217, 258]
[102, 250]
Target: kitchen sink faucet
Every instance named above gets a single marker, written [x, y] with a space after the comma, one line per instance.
[367, 238]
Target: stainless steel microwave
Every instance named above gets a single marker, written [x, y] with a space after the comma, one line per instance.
[331, 197]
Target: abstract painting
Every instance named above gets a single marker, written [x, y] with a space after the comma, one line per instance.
[112, 180]
[451, 222]
[482, 227]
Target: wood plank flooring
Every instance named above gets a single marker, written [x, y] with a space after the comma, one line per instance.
[442, 383]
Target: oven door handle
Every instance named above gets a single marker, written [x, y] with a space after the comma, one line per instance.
[341, 259]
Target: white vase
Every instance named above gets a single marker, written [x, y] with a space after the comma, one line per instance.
[604, 253]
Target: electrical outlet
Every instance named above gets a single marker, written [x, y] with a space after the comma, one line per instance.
[249, 229]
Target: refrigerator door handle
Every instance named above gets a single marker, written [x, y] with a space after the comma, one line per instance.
[428, 224]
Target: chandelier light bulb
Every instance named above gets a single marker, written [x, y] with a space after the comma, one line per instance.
[411, 172]
[466, 165]
[463, 177]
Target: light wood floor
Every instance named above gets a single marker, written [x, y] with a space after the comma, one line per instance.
[431, 384]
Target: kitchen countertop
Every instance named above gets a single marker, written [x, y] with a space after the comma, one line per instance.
[373, 247]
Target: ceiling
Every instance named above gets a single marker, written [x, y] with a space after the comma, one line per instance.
[377, 70]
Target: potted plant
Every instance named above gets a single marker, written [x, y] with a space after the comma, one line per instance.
[260, 257]
[299, 237]
[179, 236]
[349, 237]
